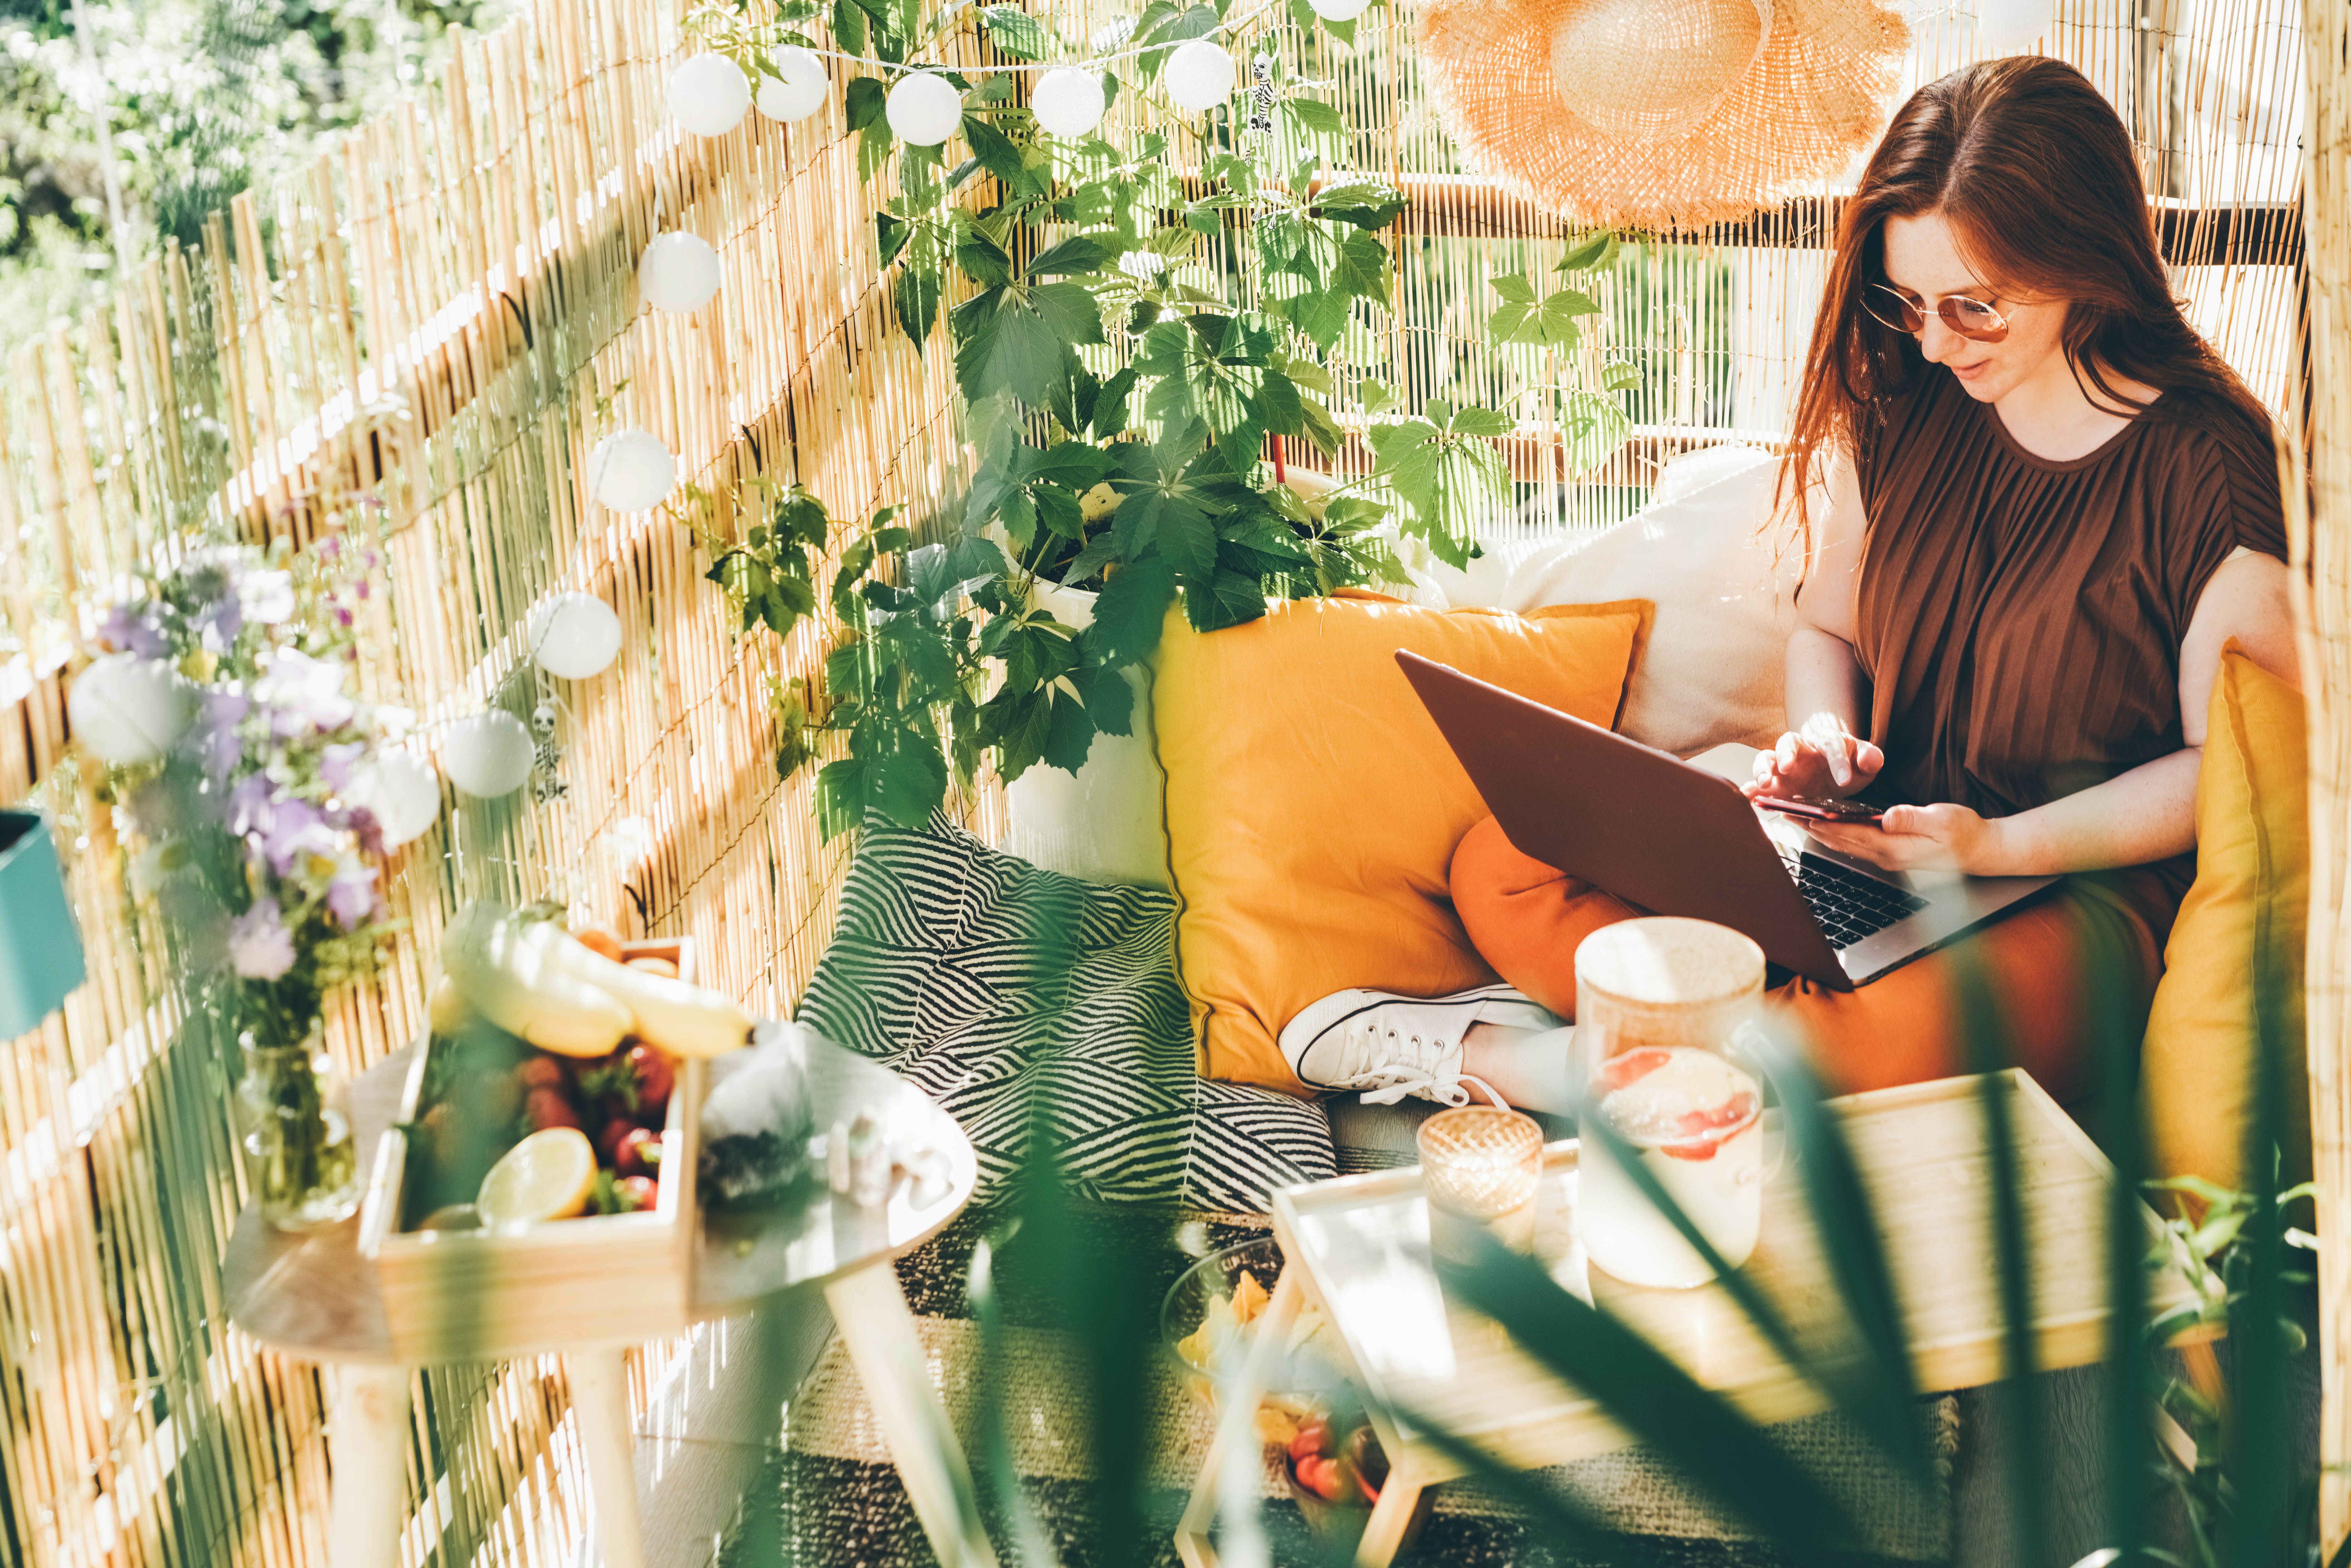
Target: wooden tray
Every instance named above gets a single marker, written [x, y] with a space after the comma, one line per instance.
[453, 1295]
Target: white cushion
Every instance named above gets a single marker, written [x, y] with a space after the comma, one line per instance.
[1723, 582]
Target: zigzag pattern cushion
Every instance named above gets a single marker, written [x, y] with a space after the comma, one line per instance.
[1004, 991]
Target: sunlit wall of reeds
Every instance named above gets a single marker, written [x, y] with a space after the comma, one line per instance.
[426, 333]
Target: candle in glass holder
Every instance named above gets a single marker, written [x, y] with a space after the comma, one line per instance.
[1480, 1166]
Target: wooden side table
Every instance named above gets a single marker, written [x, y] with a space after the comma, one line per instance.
[314, 1298]
[1359, 1247]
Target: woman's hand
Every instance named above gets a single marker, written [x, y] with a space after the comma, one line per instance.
[1821, 761]
[1925, 838]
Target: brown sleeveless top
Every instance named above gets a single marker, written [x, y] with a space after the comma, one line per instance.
[2021, 618]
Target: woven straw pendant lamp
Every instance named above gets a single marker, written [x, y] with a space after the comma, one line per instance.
[1660, 113]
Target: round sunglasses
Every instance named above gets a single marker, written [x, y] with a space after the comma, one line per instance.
[1970, 319]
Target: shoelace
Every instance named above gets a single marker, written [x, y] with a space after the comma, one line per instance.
[1406, 1071]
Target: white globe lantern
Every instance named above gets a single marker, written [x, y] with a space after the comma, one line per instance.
[709, 94]
[631, 471]
[575, 636]
[794, 87]
[924, 108]
[487, 755]
[1200, 76]
[2012, 26]
[1339, 10]
[400, 790]
[678, 272]
[1068, 102]
[127, 709]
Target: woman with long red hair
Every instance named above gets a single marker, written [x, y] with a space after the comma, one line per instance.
[2035, 505]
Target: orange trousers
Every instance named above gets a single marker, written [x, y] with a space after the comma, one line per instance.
[2037, 962]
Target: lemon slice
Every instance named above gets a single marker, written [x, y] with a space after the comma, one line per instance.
[548, 1176]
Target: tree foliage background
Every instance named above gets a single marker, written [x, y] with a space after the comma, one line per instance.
[203, 98]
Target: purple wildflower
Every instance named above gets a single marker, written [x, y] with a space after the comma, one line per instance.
[251, 803]
[218, 746]
[350, 896]
[296, 830]
[260, 946]
[337, 762]
[132, 628]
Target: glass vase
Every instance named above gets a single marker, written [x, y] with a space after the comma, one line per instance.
[300, 1159]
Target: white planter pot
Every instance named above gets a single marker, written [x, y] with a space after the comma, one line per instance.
[1106, 822]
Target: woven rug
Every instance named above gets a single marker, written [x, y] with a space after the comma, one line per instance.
[838, 1502]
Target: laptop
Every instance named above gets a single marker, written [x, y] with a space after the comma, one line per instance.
[1677, 840]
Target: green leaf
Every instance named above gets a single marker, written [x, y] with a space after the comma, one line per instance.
[998, 156]
[1619, 375]
[865, 95]
[1110, 409]
[1476, 421]
[1515, 289]
[915, 295]
[907, 775]
[1080, 464]
[1364, 203]
[1057, 510]
[890, 235]
[849, 33]
[1229, 599]
[1017, 340]
[1595, 426]
[839, 795]
[1109, 697]
[1378, 397]
[1593, 250]
[1130, 612]
[1314, 117]
[1014, 31]
[1078, 253]
[1068, 733]
[1186, 535]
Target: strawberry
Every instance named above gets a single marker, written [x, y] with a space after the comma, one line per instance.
[545, 1108]
[638, 1151]
[637, 1192]
[608, 1142]
[540, 1073]
[655, 1078]
[1313, 1438]
[1320, 1475]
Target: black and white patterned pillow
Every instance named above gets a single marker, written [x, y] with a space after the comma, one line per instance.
[1006, 992]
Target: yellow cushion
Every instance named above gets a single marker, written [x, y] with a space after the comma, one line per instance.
[1312, 806]
[2244, 919]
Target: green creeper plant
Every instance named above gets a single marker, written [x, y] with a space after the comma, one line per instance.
[1140, 351]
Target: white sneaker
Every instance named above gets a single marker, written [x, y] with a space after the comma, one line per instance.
[1389, 1046]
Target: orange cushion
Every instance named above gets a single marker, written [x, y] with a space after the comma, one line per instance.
[1312, 806]
[2242, 924]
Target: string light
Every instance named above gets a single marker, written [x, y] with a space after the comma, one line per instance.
[1200, 76]
[924, 108]
[128, 710]
[796, 86]
[487, 755]
[401, 792]
[1339, 10]
[575, 636]
[1068, 101]
[678, 272]
[709, 94]
[631, 471]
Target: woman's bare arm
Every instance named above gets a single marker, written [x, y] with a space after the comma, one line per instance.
[2147, 814]
[1826, 697]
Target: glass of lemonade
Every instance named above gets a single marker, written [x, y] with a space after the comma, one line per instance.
[1693, 1119]
[1658, 1001]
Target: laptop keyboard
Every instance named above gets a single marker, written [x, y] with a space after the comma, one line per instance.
[1849, 905]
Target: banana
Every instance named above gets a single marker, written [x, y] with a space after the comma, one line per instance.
[672, 1016]
[508, 970]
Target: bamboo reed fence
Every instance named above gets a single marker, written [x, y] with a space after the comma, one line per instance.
[2323, 545]
[430, 327]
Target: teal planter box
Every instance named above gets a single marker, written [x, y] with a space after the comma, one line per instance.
[40, 949]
